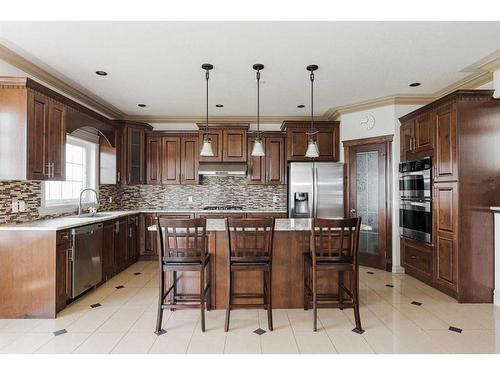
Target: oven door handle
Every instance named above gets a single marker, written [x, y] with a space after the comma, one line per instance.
[420, 204]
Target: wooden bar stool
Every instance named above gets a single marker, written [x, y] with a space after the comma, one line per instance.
[182, 245]
[333, 247]
[250, 248]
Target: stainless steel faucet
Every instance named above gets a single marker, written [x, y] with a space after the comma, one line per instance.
[80, 200]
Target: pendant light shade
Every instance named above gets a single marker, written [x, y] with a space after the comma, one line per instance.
[206, 149]
[258, 148]
[312, 147]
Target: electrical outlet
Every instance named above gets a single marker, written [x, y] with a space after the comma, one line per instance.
[110, 199]
[22, 206]
[15, 206]
[190, 199]
[275, 199]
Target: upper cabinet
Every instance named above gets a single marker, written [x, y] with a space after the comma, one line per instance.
[445, 158]
[133, 151]
[229, 142]
[327, 138]
[271, 168]
[417, 137]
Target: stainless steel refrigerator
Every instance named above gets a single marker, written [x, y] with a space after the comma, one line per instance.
[316, 190]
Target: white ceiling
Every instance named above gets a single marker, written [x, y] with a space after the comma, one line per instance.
[158, 63]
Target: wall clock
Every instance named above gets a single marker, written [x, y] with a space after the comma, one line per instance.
[367, 122]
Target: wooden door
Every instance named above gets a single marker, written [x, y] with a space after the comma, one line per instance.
[171, 161]
[154, 160]
[189, 160]
[135, 156]
[234, 145]
[215, 136]
[446, 219]
[369, 197]
[275, 161]
[108, 250]
[445, 163]
[406, 140]
[56, 140]
[424, 132]
[256, 174]
[38, 111]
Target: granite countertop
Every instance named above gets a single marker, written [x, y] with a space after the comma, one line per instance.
[66, 222]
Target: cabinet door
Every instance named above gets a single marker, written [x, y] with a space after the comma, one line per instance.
[418, 260]
[56, 140]
[171, 161]
[189, 160]
[121, 242]
[234, 145]
[63, 276]
[132, 250]
[108, 250]
[297, 144]
[446, 218]
[38, 110]
[154, 158]
[423, 133]
[275, 161]
[406, 140]
[216, 141]
[256, 174]
[445, 164]
[135, 151]
[150, 240]
[328, 144]
[327, 140]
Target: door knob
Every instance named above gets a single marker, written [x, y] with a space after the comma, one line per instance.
[352, 210]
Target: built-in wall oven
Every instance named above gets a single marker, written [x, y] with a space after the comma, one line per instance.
[415, 193]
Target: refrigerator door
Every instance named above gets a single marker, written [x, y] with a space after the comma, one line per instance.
[300, 180]
[329, 190]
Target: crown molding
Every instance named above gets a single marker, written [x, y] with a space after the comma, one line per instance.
[218, 119]
[35, 71]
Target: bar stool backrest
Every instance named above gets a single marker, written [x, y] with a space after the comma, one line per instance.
[250, 239]
[182, 240]
[335, 240]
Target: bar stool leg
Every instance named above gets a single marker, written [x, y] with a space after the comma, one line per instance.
[228, 303]
[209, 289]
[173, 280]
[159, 317]
[355, 297]
[202, 297]
[315, 298]
[306, 285]
[269, 300]
[340, 290]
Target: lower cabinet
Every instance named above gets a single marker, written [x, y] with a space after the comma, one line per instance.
[121, 243]
[63, 270]
[418, 259]
[108, 250]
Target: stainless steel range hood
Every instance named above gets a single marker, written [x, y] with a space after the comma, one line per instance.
[222, 169]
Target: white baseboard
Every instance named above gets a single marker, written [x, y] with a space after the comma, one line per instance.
[496, 297]
[398, 269]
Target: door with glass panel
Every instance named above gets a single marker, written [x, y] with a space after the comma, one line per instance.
[369, 198]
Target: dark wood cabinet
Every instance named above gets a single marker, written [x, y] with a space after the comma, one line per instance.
[154, 160]
[108, 250]
[460, 132]
[229, 142]
[189, 160]
[171, 161]
[133, 239]
[234, 146]
[121, 243]
[266, 214]
[418, 259]
[63, 269]
[215, 136]
[327, 138]
[271, 168]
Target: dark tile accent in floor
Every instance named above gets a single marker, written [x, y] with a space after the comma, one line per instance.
[95, 305]
[137, 273]
[455, 329]
[60, 332]
[389, 285]
[416, 303]
[161, 332]
[119, 287]
[358, 331]
[370, 272]
[259, 331]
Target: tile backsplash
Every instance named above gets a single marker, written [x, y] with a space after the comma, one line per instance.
[212, 191]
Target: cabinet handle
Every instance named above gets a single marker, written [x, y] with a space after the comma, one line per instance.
[53, 167]
[117, 227]
[118, 176]
[130, 232]
[48, 170]
[413, 257]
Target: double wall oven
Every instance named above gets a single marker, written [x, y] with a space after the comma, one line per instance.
[415, 194]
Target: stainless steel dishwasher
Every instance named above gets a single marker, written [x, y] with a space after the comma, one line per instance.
[86, 258]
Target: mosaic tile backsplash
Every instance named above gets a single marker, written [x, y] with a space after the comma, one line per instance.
[212, 191]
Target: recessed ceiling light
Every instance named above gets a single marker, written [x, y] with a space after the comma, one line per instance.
[101, 73]
[414, 84]
[301, 106]
[141, 105]
[219, 105]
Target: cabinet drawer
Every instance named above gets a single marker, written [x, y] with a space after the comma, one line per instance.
[419, 259]
[62, 237]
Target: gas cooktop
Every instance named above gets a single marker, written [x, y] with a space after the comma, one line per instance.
[222, 208]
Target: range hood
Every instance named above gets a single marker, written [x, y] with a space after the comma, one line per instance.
[222, 169]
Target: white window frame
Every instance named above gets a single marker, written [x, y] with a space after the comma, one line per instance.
[52, 207]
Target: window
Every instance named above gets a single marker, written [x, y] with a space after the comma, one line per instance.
[81, 169]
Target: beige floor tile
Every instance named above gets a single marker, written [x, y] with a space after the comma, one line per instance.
[280, 319]
[120, 296]
[135, 343]
[6, 338]
[20, 325]
[99, 343]
[421, 317]
[122, 320]
[467, 342]
[314, 343]
[27, 343]
[207, 343]
[239, 343]
[282, 342]
[92, 320]
[147, 322]
[63, 344]
[349, 343]
[171, 343]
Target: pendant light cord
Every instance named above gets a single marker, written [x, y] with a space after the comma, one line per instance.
[312, 101]
[258, 104]
[207, 75]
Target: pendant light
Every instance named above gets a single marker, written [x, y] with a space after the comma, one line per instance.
[312, 147]
[206, 149]
[258, 149]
